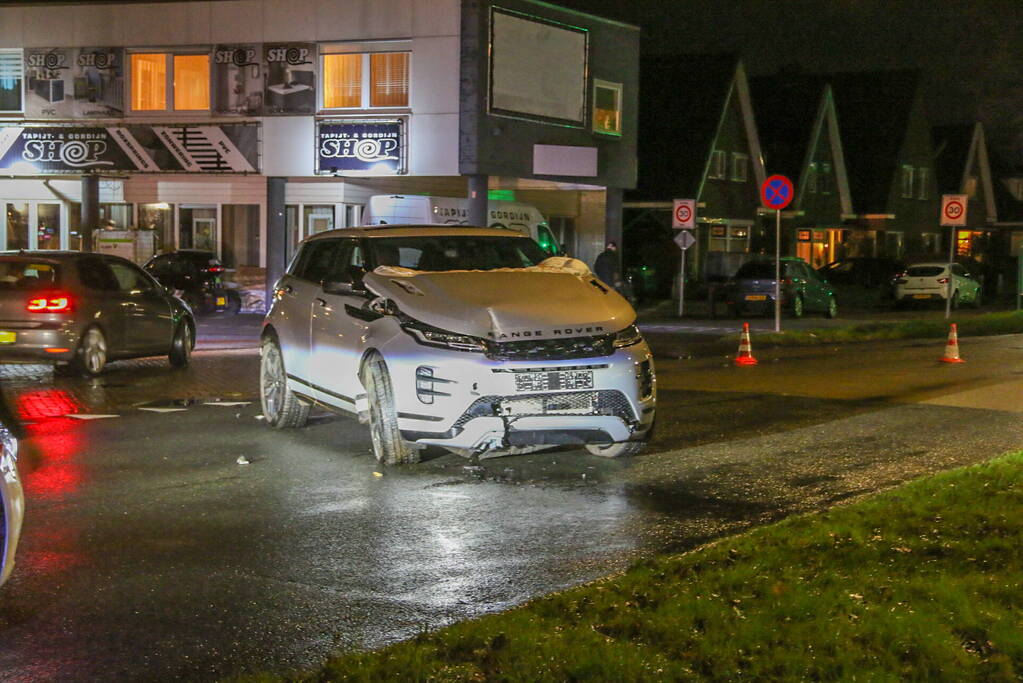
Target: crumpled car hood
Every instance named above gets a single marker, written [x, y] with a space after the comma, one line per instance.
[506, 304]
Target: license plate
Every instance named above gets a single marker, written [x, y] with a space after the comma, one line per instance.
[8, 337]
[221, 301]
[756, 297]
[921, 296]
[553, 381]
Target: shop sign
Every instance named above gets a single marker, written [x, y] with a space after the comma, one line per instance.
[367, 147]
[33, 150]
[290, 78]
[238, 80]
[64, 83]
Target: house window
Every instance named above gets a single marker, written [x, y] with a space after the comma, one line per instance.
[971, 187]
[364, 80]
[825, 173]
[811, 179]
[740, 164]
[718, 164]
[162, 81]
[10, 80]
[921, 183]
[607, 107]
[907, 181]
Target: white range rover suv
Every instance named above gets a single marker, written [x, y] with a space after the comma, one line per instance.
[471, 339]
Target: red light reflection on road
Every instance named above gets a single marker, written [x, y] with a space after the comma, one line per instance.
[59, 443]
[44, 403]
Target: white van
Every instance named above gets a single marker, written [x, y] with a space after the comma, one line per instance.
[420, 210]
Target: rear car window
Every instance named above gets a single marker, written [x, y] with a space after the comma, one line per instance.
[925, 271]
[756, 270]
[21, 274]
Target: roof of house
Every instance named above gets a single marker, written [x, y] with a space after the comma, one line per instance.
[786, 107]
[951, 147]
[873, 110]
[681, 99]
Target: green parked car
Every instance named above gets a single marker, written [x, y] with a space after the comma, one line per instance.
[751, 289]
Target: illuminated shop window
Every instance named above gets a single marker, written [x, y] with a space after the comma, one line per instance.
[10, 80]
[365, 80]
[161, 81]
[607, 107]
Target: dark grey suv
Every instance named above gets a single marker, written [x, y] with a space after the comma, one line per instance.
[85, 309]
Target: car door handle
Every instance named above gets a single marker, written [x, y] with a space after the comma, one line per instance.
[320, 301]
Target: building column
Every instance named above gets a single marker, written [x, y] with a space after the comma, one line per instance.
[276, 234]
[478, 196]
[613, 220]
[89, 217]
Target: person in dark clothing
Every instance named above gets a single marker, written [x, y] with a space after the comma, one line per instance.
[606, 266]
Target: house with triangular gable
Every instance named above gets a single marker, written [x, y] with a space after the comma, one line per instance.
[698, 141]
[798, 126]
[889, 160]
[963, 166]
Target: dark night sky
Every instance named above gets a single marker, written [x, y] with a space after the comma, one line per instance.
[970, 51]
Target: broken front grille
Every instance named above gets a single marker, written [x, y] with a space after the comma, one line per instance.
[552, 349]
[604, 402]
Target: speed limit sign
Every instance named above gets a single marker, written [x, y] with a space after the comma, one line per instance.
[953, 209]
[683, 214]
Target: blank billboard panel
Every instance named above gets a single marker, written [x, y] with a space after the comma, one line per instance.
[537, 68]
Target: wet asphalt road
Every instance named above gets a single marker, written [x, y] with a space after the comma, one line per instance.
[150, 553]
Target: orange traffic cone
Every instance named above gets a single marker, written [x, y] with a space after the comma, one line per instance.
[745, 356]
[952, 347]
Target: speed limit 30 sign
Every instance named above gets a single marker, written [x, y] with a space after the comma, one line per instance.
[953, 209]
[683, 214]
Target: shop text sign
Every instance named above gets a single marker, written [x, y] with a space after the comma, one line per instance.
[368, 147]
[32, 150]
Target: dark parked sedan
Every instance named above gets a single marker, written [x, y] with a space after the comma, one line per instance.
[197, 275]
[802, 289]
[85, 309]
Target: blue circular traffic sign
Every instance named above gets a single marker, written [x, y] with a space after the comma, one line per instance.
[776, 192]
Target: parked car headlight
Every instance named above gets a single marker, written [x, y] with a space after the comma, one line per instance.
[434, 336]
[628, 337]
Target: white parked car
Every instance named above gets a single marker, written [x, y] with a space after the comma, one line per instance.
[12, 502]
[936, 282]
[466, 338]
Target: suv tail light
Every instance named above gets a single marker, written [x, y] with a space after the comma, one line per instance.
[213, 269]
[50, 302]
[943, 280]
[786, 281]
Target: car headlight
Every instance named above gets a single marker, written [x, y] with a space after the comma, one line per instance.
[434, 336]
[628, 337]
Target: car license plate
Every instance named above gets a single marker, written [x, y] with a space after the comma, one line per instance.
[8, 337]
[554, 380]
[756, 297]
[921, 296]
[221, 301]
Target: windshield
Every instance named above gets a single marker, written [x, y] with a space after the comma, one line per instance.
[455, 252]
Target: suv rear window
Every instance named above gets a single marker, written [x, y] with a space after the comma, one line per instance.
[21, 274]
[925, 271]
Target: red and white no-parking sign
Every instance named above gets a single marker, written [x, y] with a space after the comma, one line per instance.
[953, 209]
[683, 214]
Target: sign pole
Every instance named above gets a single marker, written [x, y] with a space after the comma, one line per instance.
[682, 284]
[777, 270]
[951, 259]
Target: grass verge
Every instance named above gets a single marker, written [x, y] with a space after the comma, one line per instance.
[921, 583]
[976, 326]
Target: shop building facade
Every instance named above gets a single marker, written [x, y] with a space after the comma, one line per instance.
[243, 126]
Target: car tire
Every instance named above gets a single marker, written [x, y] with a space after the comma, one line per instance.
[180, 353]
[978, 300]
[621, 449]
[955, 300]
[91, 357]
[388, 446]
[797, 306]
[281, 408]
[234, 302]
[832, 311]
